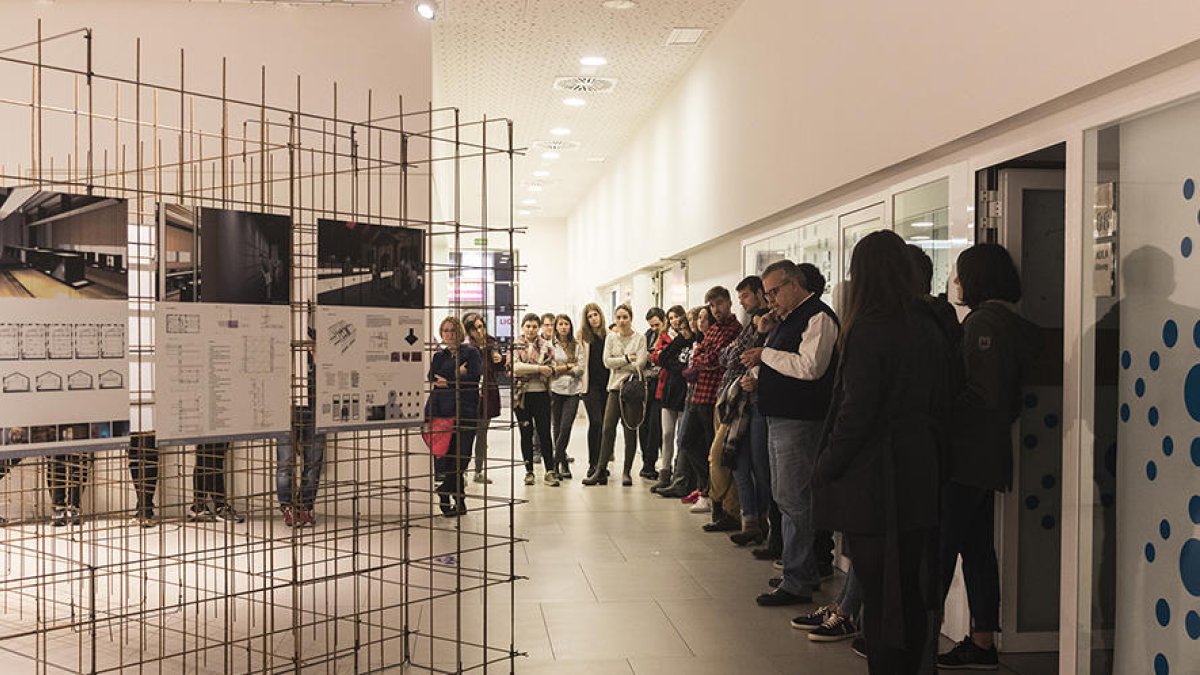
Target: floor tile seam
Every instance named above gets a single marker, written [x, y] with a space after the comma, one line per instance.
[588, 581]
[675, 628]
[546, 627]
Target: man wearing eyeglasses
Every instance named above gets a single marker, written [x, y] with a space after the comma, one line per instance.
[795, 382]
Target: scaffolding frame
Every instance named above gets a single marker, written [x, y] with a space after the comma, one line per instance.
[382, 581]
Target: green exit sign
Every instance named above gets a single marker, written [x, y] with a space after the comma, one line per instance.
[481, 241]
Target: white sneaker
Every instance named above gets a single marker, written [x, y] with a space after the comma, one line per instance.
[530, 479]
[702, 505]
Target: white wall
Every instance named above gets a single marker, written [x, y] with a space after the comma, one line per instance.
[544, 281]
[791, 100]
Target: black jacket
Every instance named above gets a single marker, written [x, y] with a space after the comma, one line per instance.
[674, 358]
[997, 350]
[879, 468]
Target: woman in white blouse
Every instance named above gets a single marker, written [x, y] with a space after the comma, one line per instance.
[624, 356]
[566, 387]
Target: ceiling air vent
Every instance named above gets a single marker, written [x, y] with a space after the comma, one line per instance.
[685, 36]
[585, 84]
[556, 145]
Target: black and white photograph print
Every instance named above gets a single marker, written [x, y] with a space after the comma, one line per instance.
[219, 255]
[365, 265]
[55, 245]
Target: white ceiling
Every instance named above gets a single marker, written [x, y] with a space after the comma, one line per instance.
[500, 58]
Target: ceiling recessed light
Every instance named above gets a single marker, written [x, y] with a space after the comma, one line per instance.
[919, 237]
[685, 36]
[427, 9]
[550, 154]
[618, 4]
[524, 212]
[596, 160]
[593, 61]
[574, 102]
[529, 202]
[560, 131]
[541, 173]
[922, 224]
[535, 188]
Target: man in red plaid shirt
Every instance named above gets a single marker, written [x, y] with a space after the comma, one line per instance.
[699, 421]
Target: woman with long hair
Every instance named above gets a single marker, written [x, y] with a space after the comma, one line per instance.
[624, 356]
[494, 361]
[686, 483]
[998, 346]
[671, 354]
[592, 333]
[532, 368]
[565, 389]
[454, 372]
[877, 476]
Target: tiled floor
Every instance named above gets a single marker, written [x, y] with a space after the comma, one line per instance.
[622, 581]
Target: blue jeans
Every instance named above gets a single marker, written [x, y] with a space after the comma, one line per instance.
[793, 456]
[313, 449]
[849, 602]
[753, 471]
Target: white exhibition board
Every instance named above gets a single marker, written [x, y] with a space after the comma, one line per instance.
[64, 372]
[370, 366]
[223, 370]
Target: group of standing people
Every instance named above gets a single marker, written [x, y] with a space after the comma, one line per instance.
[889, 423]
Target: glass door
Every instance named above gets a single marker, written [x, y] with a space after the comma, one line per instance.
[854, 226]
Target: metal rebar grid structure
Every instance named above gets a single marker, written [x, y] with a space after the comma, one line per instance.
[383, 580]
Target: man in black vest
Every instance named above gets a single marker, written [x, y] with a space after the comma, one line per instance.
[795, 382]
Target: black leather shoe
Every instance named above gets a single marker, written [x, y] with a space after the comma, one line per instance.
[781, 598]
[766, 553]
[598, 478]
[774, 582]
[723, 524]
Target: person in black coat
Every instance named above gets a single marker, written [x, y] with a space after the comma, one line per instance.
[454, 372]
[878, 474]
[997, 348]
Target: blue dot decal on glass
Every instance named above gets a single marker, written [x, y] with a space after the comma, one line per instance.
[1164, 529]
[1127, 358]
[1193, 625]
[1160, 665]
[1191, 392]
[1196, 334]
[1168, 445]
[1048, 523]
[1150, 553]
[1162, 611]
[1155, 361]
[1185, 247]
[1194, 509]
[1124, 412]
[1139, 387]
[1031, 400]
[1170, 333]
[1032, 502]
[1152, 416]
[1048, 481]
[1051, 421]
[1189, 188]
[1151, 470]
[1030, 441]
[1196, 451]
[1189, 566]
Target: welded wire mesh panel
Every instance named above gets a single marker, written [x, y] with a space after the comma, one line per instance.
[299, 544]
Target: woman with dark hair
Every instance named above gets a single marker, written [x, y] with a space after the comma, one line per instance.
[454, 372]
[877, 476]
[671, 354]
[533, 360]
[997, 349]
[494, 361]
[624, 356]
[592, 333]
[565, 389]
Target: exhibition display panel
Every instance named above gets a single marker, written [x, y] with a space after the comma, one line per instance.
[215, 336]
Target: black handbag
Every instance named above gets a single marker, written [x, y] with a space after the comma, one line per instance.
[633, 398]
